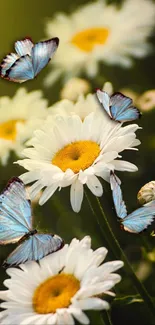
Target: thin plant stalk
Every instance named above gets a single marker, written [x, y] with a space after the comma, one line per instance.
[106, 317]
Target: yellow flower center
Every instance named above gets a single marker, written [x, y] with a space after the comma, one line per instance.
[87, 39]
[56, 292]
[8, 129]
[76, 156]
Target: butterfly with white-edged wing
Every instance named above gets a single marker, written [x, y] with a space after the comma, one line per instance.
[118, 106]
[28, 60]
[16, 227]
[139, 219]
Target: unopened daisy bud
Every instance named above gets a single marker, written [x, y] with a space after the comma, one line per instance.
[146, 101]
[108, 87]
[146, 193]
[75, 87]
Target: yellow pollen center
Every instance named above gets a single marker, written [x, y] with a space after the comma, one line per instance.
[8, 129]
[87, 39]
[76, 156]
[56, 292]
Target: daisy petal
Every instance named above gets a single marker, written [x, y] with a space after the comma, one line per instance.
[94, 185]
[76, 195]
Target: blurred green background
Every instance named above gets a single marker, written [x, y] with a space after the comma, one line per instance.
[21, 18]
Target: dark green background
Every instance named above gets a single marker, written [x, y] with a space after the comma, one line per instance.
[27, 18]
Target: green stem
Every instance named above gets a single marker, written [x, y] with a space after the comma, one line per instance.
[101, 224]
[120, 254]
[96, 216]
[106, 317]
[102, 320]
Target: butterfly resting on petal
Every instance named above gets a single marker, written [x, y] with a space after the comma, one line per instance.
[118, 106]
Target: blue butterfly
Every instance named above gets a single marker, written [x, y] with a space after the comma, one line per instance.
[119, 107]
[136, 221]
[16, 227]
[28, 60]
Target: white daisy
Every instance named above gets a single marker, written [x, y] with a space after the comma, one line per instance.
[146, 102]
[64, 284]
[100, 32]
[82, 107]
[71, 151]
[19, 117]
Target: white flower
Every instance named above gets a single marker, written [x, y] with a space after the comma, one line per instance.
[71, 151]
[146, 101]
[19, 117]
[64, 284]
[146, 193]
[99, 32]
[75, 87]
[82, 107]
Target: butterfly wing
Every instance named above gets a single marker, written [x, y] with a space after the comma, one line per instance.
[119, 204]
[42, 52]
[24, 47]
[34, 248]
[104, 99]
[122, 109]
[140, 219]
[7, 62]
[15, 212]
[21, 70]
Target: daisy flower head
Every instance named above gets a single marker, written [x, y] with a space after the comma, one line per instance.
[66, 283]
[97, 32]
[71, 151]
[19, 117]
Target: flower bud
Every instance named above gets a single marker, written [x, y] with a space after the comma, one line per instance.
[146, 193]
[75, 87]
[146, 101]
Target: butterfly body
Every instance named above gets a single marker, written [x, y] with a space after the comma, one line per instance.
[119, 107]
[26, 236]
[16, 227]
[138, 220]
[28, 60]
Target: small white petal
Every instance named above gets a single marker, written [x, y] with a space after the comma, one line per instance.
[79, 315]
[76, 195]
[95, 186]
[124, 166]
[4, 295]
[48, 192]
[92, 303]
